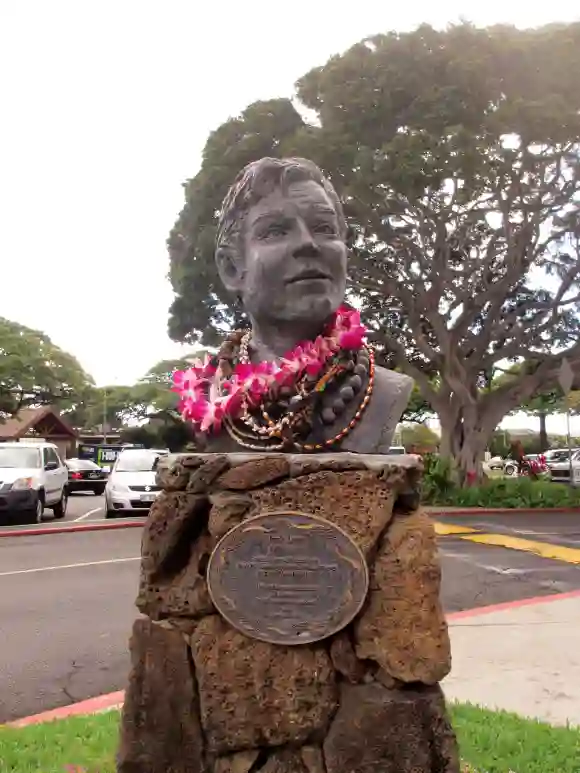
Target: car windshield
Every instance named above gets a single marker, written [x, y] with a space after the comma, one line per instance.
[138, 461]
[13, 457]
[81, 464]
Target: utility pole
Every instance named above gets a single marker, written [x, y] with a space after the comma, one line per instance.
[104, 416]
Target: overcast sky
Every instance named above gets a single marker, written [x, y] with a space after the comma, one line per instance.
[105, 109]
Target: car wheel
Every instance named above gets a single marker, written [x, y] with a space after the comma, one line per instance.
[59, 510]
[509, 469]
[99, 491]
[111, 514]
[34, 515]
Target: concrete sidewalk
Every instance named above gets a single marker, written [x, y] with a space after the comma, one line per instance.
[522, 656]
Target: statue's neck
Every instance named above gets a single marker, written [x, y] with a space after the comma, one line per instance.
[272, 342]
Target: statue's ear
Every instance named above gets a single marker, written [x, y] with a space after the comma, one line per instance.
[230, 267]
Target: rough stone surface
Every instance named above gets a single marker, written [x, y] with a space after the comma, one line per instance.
[403, 627]
[160, 727]
[254, 694]
[201, 479]
[390, 731]
[284, 761]
[255, 473]
[172, 475]
[357, 701]
[176, 519]
[227, 510]
[313, 759]
[174, 552]
[344, 658]
[179, 591]
[357, 501]
[241, 762]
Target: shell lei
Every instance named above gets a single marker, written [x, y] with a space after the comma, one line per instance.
[206, 397]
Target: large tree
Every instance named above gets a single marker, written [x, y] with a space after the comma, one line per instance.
[542, 403]
[33, 371]
[456, 155]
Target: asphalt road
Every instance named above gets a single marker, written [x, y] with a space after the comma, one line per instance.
[83, 508]
[67, 601]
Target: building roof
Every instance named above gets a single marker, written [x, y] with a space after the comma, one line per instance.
[46, 420]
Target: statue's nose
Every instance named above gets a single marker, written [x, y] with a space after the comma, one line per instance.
[306, 246]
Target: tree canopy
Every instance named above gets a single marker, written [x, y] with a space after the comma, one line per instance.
[456, 154]
[33, 371]
[123, 405]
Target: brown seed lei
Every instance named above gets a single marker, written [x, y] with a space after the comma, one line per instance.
[289, 412]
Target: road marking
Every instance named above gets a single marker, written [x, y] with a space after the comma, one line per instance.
[446, 529]
[86, 515]
[542, 549]
[69, 566]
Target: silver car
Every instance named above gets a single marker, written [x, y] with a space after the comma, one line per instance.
[131, 485]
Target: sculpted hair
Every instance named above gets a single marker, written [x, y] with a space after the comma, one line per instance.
[256, 181]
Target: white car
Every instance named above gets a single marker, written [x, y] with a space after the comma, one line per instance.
[560, 469]
[131, 485]
[32, 476]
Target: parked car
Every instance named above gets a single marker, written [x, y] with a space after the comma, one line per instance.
[560, 470]
[32, 476]
[556, 455]
[131, 485]
[509, 467]
[397, 450]
[84, 475]
[496, 463]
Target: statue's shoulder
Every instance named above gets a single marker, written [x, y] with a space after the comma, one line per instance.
[390, 379]
[375, 431]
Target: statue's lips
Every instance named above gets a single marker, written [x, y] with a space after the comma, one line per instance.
[308, 277]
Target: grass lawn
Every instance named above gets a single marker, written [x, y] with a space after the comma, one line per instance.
[490, 742]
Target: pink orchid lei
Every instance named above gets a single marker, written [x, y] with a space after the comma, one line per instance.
[206, 398]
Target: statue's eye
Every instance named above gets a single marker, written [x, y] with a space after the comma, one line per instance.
[324, 227]
[274, 229]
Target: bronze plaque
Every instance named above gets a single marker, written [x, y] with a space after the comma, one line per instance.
[287, 578]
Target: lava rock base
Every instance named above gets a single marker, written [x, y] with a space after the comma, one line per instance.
[204, 698]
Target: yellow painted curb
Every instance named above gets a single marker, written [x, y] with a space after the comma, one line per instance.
[542, 549]
[446, 529]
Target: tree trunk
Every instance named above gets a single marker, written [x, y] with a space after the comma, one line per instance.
[543, 432]
[464, 438]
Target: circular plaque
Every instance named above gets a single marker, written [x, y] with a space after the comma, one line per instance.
[287, 578]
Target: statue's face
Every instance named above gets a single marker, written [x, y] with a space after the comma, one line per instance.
[294, 261]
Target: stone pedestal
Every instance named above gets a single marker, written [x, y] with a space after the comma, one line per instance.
[205, 698]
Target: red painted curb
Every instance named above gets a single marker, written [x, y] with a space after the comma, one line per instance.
[76, 529]
[89, 706]
[571, 594]
[507, 511]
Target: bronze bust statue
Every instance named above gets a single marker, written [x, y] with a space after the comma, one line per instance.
[281, 249]
[291, 613]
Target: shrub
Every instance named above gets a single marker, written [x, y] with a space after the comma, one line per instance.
[504, 493]
[438, 482]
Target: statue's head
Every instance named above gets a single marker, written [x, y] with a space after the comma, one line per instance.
[281, 242]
